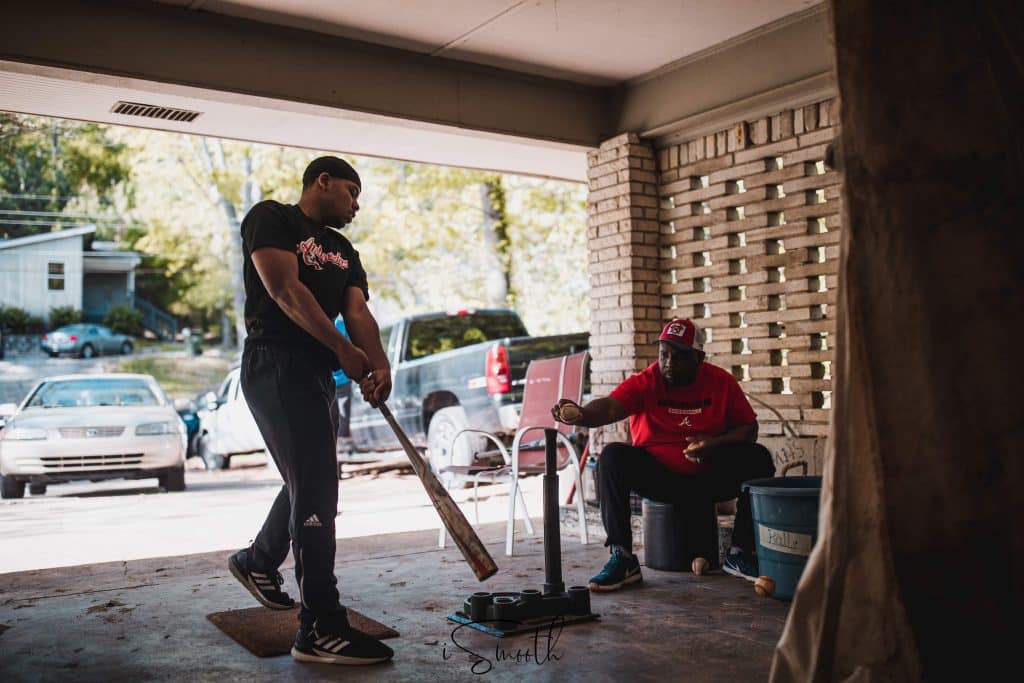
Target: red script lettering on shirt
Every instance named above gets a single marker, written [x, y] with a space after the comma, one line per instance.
[314, 255]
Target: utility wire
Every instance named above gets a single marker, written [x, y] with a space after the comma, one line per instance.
[58, 214]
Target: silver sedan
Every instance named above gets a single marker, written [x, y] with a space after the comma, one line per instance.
[86, 340]
[75, 427]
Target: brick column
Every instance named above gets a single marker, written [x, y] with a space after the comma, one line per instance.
[622, 234]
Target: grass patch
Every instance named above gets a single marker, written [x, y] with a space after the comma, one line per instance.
[157, 345]
[179, 377]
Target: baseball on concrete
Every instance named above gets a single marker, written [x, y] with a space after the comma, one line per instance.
[569, 412]
[764, 585]
[699, 566]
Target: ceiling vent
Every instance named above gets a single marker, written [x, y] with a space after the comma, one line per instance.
[153, 111]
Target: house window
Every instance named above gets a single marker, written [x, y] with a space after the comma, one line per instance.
[55, 276]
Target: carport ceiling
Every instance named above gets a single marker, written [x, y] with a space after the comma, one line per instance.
[519, 86]
[595, 42]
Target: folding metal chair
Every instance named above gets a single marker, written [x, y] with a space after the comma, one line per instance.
[547, 380]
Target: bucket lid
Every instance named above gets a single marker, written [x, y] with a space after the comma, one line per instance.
[784, 486]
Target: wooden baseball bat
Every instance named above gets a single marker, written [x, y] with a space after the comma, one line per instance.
[454, 521]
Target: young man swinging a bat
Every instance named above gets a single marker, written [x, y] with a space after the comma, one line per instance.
[300, 273]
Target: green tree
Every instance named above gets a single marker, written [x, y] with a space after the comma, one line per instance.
[431, 237]
[548, 234]
[497, 241]
[190, 196]
[46, 163]
[437, 238]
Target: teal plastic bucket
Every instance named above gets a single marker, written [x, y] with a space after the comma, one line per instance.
[785, 512]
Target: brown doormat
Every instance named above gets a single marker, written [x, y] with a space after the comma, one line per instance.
[270, 633]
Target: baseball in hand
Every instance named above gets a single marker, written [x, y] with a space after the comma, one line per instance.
[699, 566]
[764, 585]
[569, 412]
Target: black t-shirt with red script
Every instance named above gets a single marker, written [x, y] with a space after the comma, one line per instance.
[328, 265]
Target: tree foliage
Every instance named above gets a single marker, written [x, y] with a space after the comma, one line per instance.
[430, 237]
[191, 194]
[64, 315]
[14, 320]
[123, 319]
[439, 238]
[45, 163]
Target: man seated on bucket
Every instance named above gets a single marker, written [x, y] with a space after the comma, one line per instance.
[694, 442]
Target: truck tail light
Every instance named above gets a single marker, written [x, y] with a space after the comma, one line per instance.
[498, 380]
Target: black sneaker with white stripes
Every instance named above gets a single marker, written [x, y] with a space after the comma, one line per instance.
[344, 645]
[264, 586]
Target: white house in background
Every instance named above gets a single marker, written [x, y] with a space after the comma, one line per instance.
[52, 269]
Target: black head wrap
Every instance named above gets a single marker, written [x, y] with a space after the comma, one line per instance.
[332, 166]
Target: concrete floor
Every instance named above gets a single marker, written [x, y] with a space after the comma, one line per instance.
[673, 626]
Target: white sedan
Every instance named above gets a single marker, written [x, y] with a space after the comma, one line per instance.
[92, 427]
[226, 425]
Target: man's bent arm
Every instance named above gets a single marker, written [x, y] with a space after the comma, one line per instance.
[601, 412]
[279, 271]
[741, 434]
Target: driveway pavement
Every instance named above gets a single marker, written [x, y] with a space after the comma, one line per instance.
[112, 521]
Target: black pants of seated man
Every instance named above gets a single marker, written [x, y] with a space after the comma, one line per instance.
[294, 405]
[623, 468]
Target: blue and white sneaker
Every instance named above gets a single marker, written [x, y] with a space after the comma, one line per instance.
[620, 570]
[741, 564]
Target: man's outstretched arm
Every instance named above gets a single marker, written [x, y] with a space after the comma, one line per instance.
[596, 413]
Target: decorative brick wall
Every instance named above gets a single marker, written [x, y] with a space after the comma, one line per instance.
[749, 245]
[739, 230]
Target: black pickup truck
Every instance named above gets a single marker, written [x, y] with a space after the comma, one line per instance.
[454, 370]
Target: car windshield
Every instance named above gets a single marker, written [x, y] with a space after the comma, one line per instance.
[80, 393]
[433, 335]
[71, 329]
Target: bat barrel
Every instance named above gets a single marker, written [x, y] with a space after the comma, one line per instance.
[468, 542]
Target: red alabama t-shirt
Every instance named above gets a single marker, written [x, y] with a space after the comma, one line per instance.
[662, 418]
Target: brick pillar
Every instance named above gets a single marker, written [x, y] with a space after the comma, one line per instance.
[622, 234]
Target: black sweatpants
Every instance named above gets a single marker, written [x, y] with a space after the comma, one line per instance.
[623, 468]
[295, 409]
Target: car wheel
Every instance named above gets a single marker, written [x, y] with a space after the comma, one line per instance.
[126, 348]
[11, 488]
[443, 427]
[37, 489]
[88, 351]
[173, 479]
[212, 459]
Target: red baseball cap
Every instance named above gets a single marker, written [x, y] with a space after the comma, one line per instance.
[683, 334]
